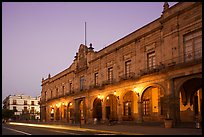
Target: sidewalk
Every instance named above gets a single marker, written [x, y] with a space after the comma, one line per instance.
[125, 129]
[146, 130]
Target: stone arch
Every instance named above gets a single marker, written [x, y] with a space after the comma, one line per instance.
[182, 80]
[162, 88]
[97, 109]
[110, 102]
[91, 110]
[189, 91]
[70, 112]
[152, 99]
[129, 105]
[179, 86]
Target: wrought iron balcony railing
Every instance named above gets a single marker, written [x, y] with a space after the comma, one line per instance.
[189, 58]
[127, 76]
[108, 82]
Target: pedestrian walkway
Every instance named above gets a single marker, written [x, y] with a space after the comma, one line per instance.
[125, 129]
[147, 130]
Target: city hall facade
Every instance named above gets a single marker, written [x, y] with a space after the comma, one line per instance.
[151, 74]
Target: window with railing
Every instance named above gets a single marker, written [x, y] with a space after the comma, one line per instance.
[82, 83]
[14, 102]
[51, 93]
[96, 79]
[193, 46]
[63, 90]
[57, 92]
[25, 102]
[70, 87]
[151, 60]
[127, 68]
[110, 74]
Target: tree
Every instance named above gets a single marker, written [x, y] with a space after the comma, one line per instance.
[6, 114]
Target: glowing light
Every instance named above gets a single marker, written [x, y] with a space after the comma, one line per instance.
[114, 93]
[70, 128]
[70, 104]
[107, 98]
[57, 105]
[99, 96]
[135, 90]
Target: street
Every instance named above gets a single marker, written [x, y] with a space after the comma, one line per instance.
[9, 129]
[40, 128]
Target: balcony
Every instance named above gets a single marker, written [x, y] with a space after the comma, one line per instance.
[108, 82]
[127, 76]
[153, 69]
[98, 86]
[185, 60]
[94, 86]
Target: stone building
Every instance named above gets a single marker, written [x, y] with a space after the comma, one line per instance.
[149, 75]
[27, 107]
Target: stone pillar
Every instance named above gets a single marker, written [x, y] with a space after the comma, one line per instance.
[177, 107]
[103, 111]
[88, 111]
[139, 110]
[170, 90]
[89, 116]
[119, 111]
[55, 113]
[76, 112]
[45, 113]
[172, 105]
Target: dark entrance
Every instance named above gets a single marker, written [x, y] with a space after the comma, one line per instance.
[57, 114]
[191, 100]
[111, 107]
[108, 112]
[97, 111]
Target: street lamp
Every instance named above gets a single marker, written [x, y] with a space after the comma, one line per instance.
[135, 90]
[115, 95]
[100, 97]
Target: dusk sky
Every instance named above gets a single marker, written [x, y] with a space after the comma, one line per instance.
[39, 38]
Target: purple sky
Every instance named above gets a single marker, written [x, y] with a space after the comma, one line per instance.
[39, 38]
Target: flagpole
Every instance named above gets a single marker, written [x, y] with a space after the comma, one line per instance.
[85, 33]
